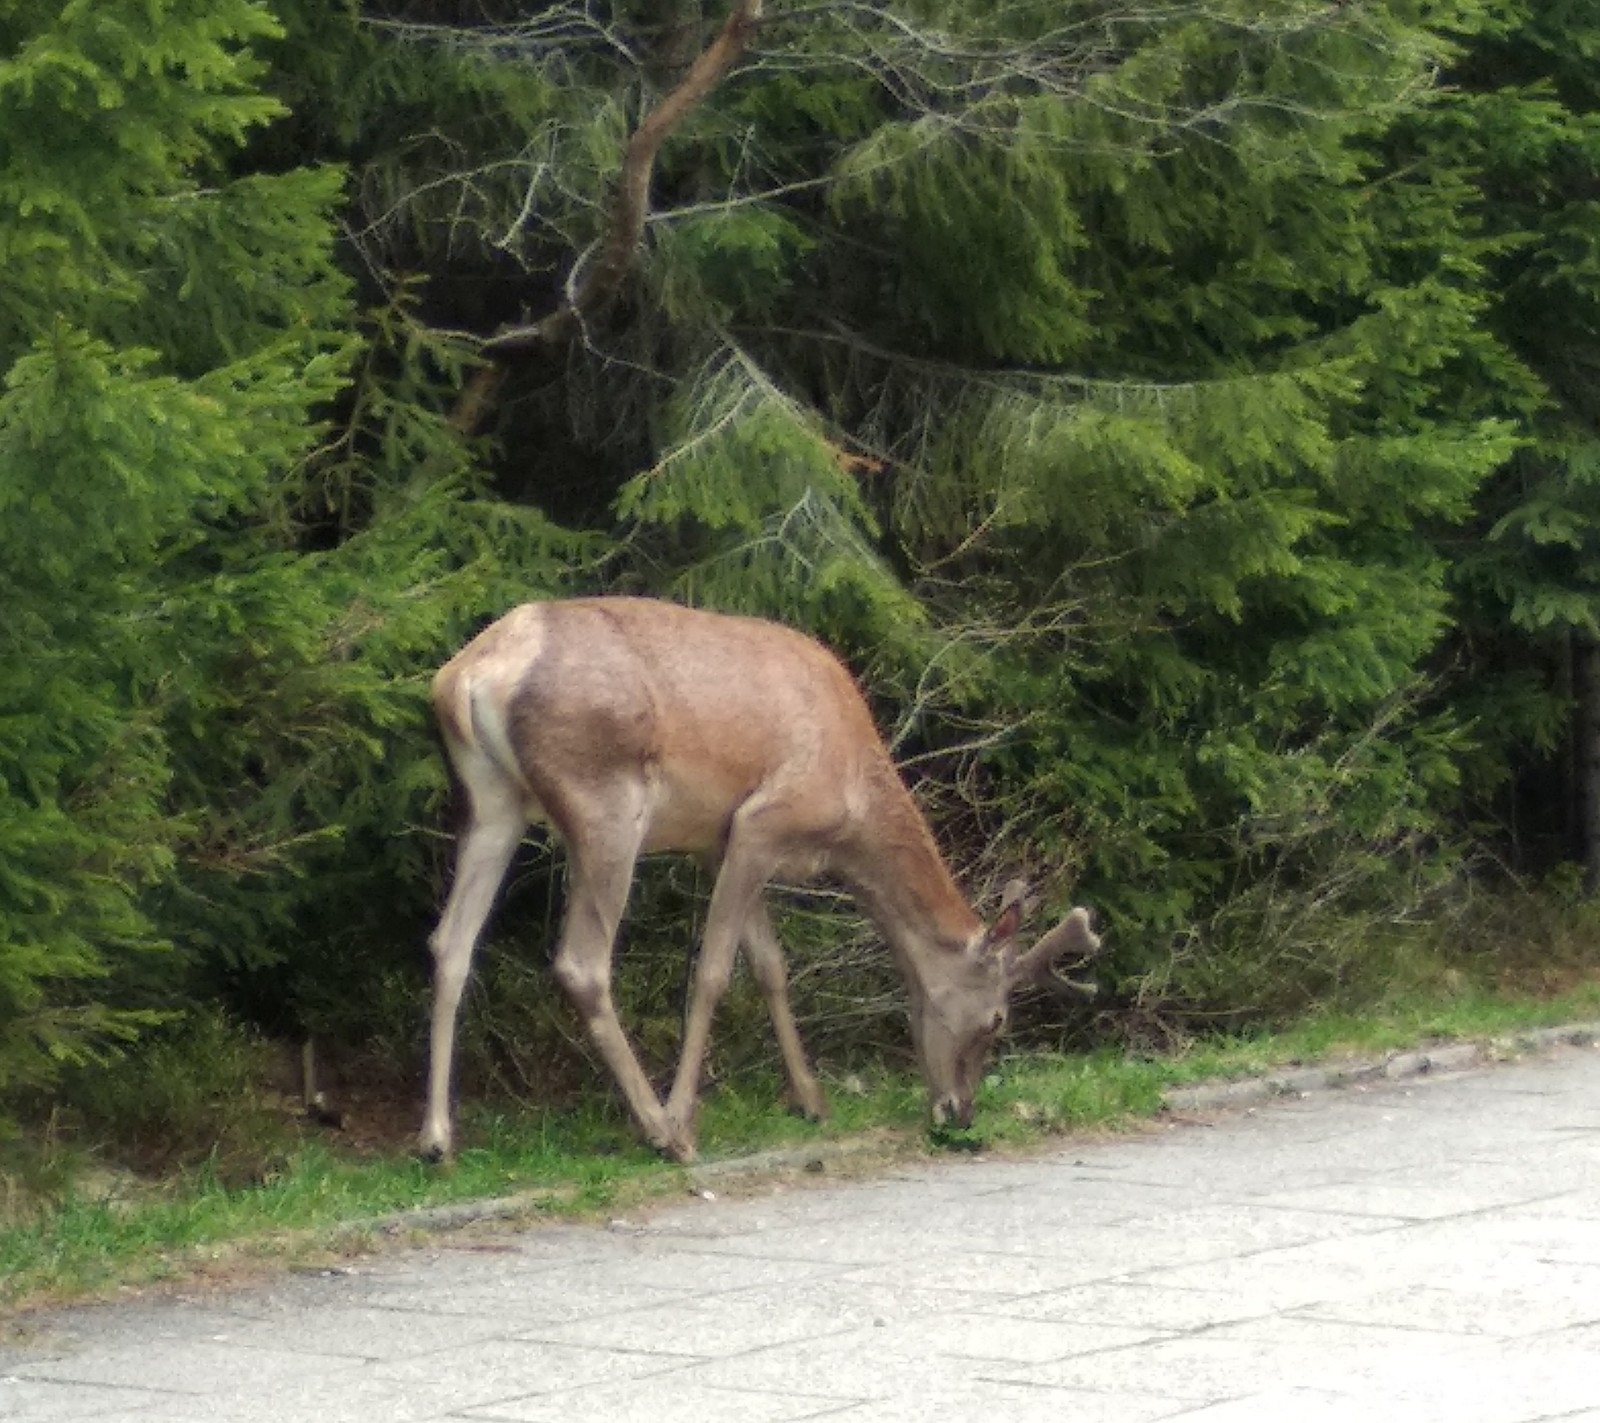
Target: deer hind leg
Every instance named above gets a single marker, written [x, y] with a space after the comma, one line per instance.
[764, 953]
[746, 867]
[485, 850]
[603, 846]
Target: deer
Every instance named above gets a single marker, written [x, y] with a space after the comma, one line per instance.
[633, 725]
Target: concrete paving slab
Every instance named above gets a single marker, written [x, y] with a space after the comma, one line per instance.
[1296, 1405]
[991, 1401]
[1133, 1304]
[1418, 1193]
[742, 1320]
[1506, 1313]
[500, 1369]
[1242, 1227]
[568, 1296]
[1195, 1368]
[361, 1331]
[671, 1401]
[357, 1397]
[1497, 1386]
[999, 1276]
[901, 1380]
[204, 1367]
[48, 1400]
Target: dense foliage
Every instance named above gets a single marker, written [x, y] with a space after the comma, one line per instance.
[1183, 418]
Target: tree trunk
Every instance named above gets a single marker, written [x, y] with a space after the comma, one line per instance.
[1586, 753]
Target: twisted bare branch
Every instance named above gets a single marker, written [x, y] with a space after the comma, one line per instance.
[596, 278]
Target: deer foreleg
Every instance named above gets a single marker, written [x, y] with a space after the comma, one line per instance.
[485, 851]
[736, 894]
[764, 953]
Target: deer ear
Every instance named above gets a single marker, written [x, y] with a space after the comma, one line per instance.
[1072, 936]
[1004, 929]
[1008, 922]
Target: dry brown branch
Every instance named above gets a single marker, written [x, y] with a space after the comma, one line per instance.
[594, 282]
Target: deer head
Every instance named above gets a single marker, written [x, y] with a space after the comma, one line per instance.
[961, 1001]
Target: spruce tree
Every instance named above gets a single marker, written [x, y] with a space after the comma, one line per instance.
[1524, 124]
[1103, 381]
[165, 335]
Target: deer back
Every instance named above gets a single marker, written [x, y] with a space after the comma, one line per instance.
[569, 698]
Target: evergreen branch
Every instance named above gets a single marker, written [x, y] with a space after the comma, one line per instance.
[999, 378]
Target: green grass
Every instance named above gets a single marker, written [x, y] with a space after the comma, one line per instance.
[81, 1244]
[314, 1201]
[1467, 1015]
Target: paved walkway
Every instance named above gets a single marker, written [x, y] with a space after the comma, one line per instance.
[1410, 1252]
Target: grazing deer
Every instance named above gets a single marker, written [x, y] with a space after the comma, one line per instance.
[631, 725]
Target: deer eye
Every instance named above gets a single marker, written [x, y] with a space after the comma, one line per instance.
[997, 1022]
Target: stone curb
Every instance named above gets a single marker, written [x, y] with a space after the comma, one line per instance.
[823, 1155]
[1395, 1066]
[818, 1156]
[454, 1216]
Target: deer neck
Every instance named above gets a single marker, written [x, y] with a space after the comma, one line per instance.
[902, 883]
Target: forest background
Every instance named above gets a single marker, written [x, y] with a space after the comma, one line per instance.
[1184, 418]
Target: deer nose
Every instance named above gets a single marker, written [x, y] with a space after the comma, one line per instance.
[951, 1111]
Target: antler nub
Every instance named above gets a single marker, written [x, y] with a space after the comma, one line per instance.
[1073, 939]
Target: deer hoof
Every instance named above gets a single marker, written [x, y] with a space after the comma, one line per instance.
[676, 1142]
[670, 1145]
[434, 1153]
[807, 1103]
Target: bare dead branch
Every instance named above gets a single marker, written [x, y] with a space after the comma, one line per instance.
[598, 280]
[592, 283]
